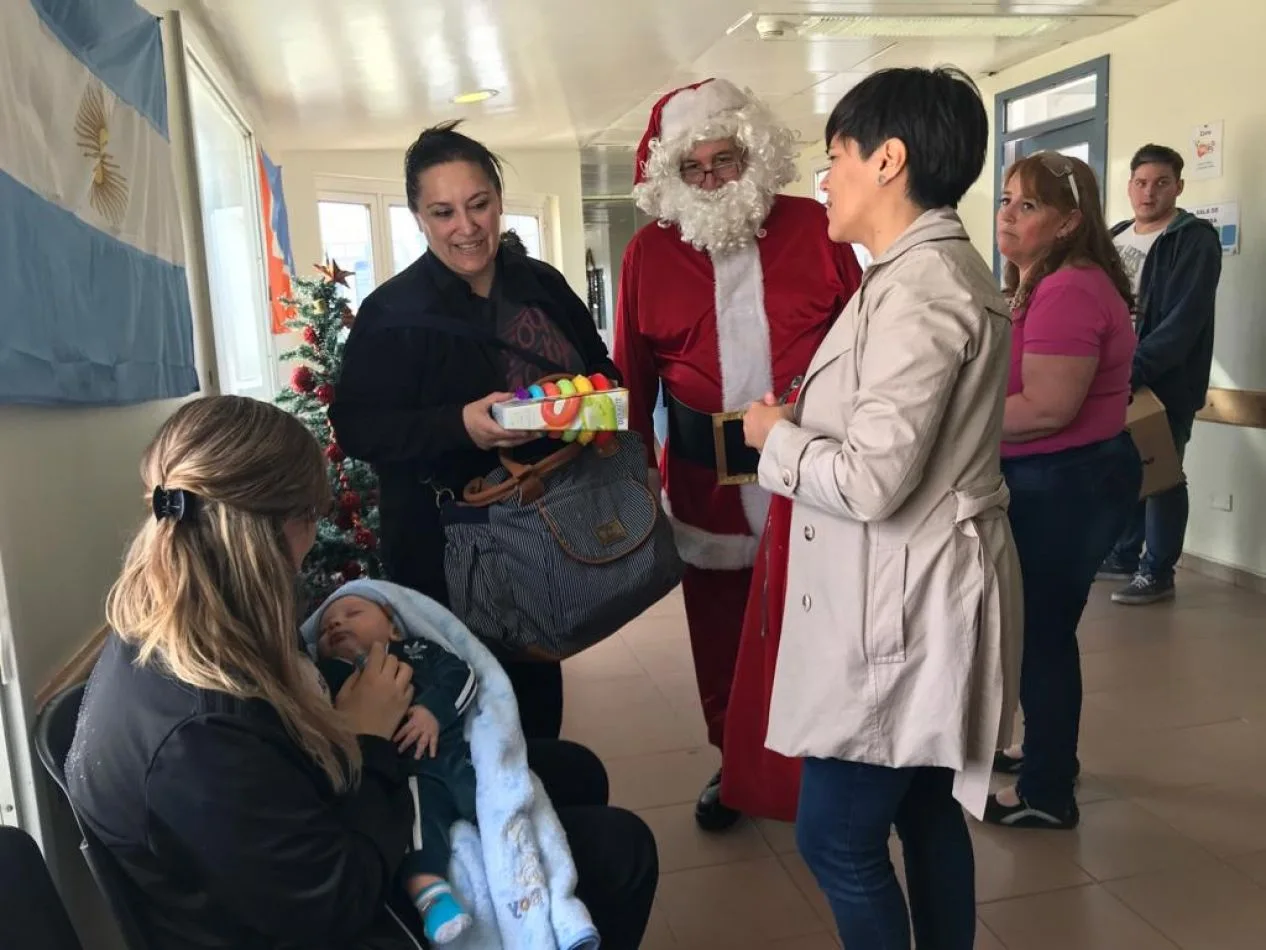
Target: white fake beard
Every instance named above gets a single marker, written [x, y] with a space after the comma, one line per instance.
[718, 222]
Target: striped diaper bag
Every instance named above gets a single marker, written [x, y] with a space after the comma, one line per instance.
[545, 560]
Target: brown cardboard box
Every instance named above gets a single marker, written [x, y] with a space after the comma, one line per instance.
[1145, 421]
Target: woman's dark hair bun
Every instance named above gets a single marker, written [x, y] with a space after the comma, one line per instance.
[440, 144]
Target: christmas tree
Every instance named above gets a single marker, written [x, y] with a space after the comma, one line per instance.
[347, 539]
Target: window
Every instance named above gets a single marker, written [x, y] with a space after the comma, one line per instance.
[407, 242]
[347, 237]
[366, 225]
[231, 223]
[1066, 112]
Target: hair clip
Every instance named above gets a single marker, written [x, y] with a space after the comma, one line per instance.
[175, 503]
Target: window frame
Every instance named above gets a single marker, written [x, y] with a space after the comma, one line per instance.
[198, 68]
[1096, 118]
[380, 195]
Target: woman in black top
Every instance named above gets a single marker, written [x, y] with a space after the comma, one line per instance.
[246, 811]
[433, 349]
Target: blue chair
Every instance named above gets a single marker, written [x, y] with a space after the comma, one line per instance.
[54, 732]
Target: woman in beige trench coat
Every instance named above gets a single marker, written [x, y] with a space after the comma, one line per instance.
[898, 667]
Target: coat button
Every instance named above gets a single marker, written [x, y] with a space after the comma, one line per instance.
[807, 602]
[809, 533]
[786, 478]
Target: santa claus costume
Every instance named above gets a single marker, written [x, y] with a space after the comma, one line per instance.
[723, 299]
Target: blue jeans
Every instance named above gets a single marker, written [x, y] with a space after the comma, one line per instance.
[1066, 510]
[847, 810]
[1160, 521]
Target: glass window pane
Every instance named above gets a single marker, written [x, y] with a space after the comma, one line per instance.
[407, 242]
[1081, 150]
[347, 238]
[231, 222]
[528, 228]
[1077, 95]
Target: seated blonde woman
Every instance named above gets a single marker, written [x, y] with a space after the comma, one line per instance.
[249, 811]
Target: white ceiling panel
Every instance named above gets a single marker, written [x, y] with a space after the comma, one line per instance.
[371, 73]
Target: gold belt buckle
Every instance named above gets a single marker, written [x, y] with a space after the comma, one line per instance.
[724, 476]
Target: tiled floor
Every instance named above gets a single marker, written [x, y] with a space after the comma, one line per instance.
[1171, 852]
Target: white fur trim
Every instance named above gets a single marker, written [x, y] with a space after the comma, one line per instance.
[708, 551]
[694, 108]
[743, 339]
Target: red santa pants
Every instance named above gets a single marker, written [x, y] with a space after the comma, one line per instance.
[715, 604]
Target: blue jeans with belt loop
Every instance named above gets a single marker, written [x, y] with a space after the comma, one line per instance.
[846, 814]
[1067, 510]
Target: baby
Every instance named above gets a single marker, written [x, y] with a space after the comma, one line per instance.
[430, 735]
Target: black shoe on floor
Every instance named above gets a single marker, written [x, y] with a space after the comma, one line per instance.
[1005, 764]
[1143, 590]
[710, 813]
[1114, 570]
[1025, 815]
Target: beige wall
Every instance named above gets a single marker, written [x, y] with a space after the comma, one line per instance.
[554, 174]
[1192, 62]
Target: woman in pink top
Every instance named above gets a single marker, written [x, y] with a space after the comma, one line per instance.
[1073, 472]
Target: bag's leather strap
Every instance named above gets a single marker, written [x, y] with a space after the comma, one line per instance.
[527, 480]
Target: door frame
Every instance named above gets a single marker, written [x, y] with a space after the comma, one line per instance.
[1094, 120]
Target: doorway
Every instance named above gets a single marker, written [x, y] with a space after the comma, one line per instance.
[1065, 112]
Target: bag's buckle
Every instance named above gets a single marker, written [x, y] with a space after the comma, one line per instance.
[443, 494]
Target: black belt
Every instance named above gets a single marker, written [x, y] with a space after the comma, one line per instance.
[712, 440]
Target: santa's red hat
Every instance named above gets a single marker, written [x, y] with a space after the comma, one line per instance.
[685, 110]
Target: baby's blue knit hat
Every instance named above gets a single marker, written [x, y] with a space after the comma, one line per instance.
[369, 590]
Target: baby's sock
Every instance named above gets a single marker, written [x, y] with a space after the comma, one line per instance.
[442, 916]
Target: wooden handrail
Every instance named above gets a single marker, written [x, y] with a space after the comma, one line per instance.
[1235, 407]
[73, 671]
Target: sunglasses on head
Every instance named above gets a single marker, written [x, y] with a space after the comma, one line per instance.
[1061, 166]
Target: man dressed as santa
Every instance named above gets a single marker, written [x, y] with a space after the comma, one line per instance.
[723, 299]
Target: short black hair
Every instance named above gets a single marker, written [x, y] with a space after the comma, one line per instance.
[937, 113]
[441, 144]
[1157, 155]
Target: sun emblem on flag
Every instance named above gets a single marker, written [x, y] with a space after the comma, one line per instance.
[109, 186]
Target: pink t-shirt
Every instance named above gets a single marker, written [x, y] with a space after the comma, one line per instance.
[1077, 312]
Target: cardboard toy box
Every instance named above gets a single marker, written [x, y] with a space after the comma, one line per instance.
[1145, 421]
[606, 411]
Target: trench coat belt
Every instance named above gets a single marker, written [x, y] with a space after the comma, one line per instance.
[974, 502]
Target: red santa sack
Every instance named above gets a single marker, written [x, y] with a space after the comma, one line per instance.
[755, 781]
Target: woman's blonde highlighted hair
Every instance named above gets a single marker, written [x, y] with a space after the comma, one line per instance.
[210, 595]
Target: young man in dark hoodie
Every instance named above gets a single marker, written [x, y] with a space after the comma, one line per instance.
[1174, 260]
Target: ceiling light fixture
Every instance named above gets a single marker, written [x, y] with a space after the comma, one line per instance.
[470, 98]
[840, 27]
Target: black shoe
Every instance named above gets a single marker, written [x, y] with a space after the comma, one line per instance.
[1114, 570]
[1143, 590]
[710, 813]
[1005, 764]
[1025, 815]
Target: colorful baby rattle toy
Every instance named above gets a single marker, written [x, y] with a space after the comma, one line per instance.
[560, 408]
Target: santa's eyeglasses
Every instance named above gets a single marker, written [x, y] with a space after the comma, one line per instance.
[725, 169]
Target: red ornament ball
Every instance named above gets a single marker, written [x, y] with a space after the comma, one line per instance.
[352, 570]
[364, 538]
[302, 380]
[334, 453]
[349, 501]
[325, 394]
[310, 336]
[344, 521]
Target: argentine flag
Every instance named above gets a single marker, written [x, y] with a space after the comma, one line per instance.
[94, 305]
